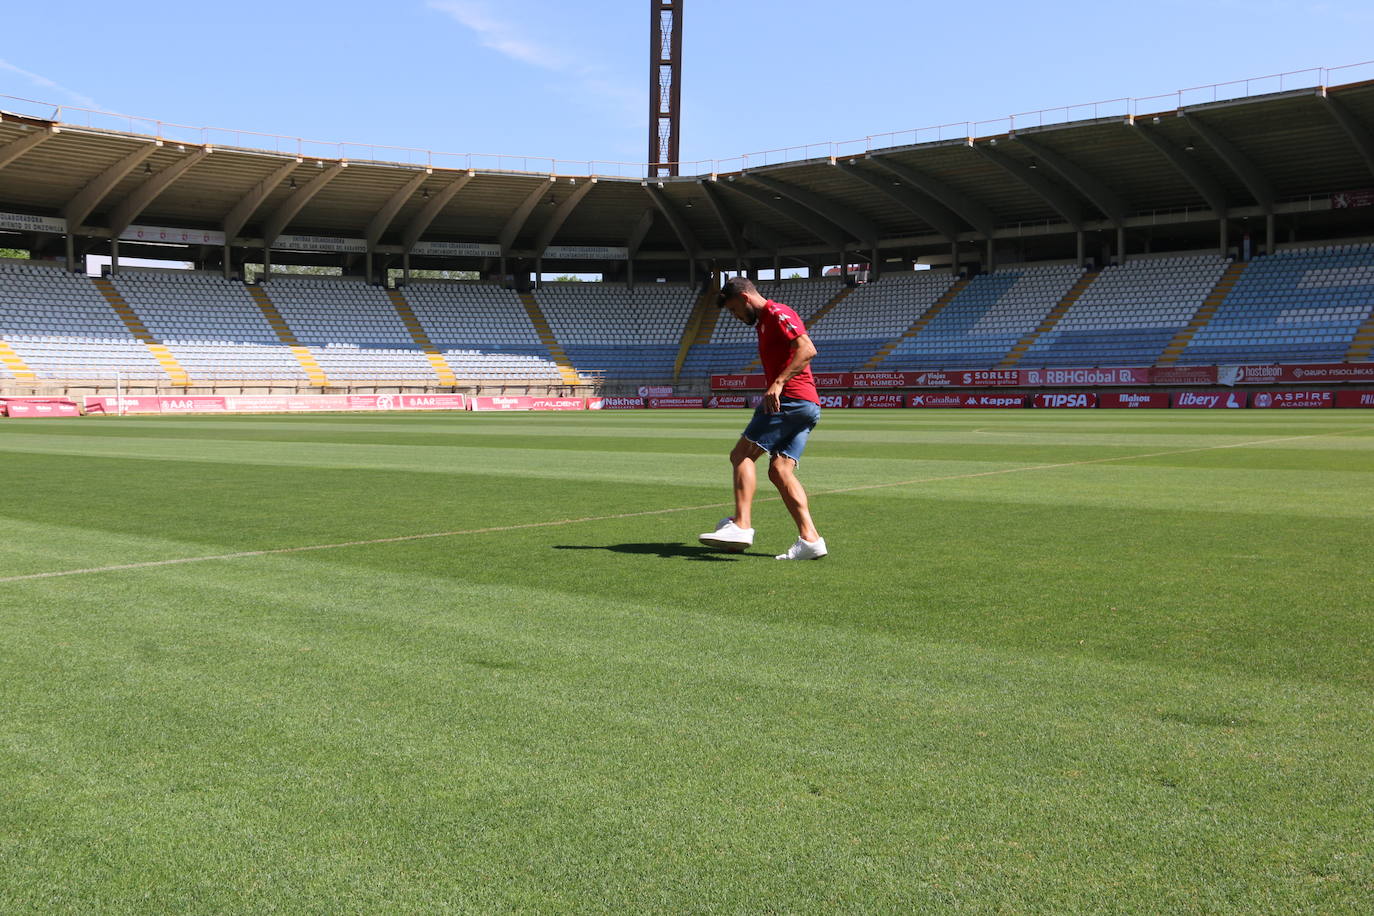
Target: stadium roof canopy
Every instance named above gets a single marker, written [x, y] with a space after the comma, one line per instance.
[1287, 162]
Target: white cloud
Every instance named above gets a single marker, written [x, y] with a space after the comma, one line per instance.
[500, 36]
[42, 81]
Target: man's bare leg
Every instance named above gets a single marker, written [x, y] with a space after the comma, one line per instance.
[742, 458]
[783, 472]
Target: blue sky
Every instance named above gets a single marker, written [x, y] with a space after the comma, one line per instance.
[569, 80]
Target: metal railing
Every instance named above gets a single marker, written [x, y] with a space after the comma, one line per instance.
[169, 131]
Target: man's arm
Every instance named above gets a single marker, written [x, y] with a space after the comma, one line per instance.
[803, 351]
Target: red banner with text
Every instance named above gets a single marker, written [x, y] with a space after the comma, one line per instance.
[1355, 399]
[1136, 399]
[673, 402]
[1266, 399]
[1209, 399]
[1064, 399]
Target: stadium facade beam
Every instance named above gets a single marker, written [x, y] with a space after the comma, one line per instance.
[1085, 182]
[633, 243]
[1255, 181]
[923, 206]
[846, 218]
[665, 86]
[16, 148]
[1203, 181]
[680, 227]
[560, 216]
[821, 228]
[381, 220]
[1064, 203]
[247, 205]
[89, 197]
[969, 210]
[727, 221]
[128, 209]
[1359, 134]
[421, 222]
[289, 208]
[511, 230]
[762, 236]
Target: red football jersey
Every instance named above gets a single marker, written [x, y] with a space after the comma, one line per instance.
[777, 327]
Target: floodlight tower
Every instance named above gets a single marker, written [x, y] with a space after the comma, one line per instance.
[665, 84]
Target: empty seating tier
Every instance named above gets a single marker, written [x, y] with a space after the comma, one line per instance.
[352, 329]
[60, 325]
[212, 325]
[873, 314]
[623, 333]
[1295, 306]
[483, 331]
[734, 344]
[986, 319]
[1129, 314]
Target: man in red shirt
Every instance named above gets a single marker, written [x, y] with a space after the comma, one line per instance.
[780, 426]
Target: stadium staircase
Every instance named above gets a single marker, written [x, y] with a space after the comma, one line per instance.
[164, 356]
[821, 312]
[700, 325]
[566, 372]
[919, 324]
[1204, 314]
[1361, 346]
[1018, 351]
[15, 364]
[285, 335]
[442, 370]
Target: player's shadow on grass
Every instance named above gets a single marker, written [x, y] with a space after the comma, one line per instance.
[665, 551]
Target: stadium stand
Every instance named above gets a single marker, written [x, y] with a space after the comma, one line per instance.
[351, 328]
[1129, 314]
[482, 330]
[873, 314]
[212, 325]
[986, 319]
[733, 345]
[61, 327]
[1301, 305]
[623, 333]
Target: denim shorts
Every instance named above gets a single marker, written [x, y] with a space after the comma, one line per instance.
[784, 432]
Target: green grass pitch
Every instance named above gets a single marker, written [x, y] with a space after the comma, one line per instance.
[1073, 662]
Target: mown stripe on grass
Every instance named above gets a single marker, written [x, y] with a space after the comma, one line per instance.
[648, 512]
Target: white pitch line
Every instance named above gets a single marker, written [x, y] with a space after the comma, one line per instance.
[244, 554]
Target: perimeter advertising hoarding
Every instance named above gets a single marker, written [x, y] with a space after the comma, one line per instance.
[1075, 377]
[309, 403]
[502, 403]
[1137, 399]
[727, 400]
[757, 382]
[1355, 399]
[1308, 374]
[883, 380]
[558, 404]
[1065, 399]
[1209, 399]
[964, 400]
[835, 400]
[1264, 399]
[38, 408]
[622, 403]
[882, 399]
[673, 402]
[1183, 375]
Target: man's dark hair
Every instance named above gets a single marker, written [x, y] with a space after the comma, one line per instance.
[735, 286]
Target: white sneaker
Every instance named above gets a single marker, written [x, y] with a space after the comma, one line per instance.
[728, 537]
[804, 550]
